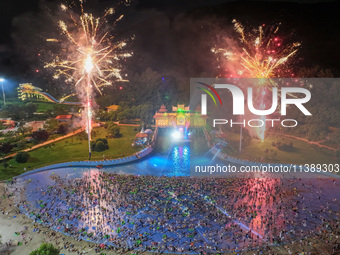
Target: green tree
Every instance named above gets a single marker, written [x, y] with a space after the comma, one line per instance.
[109, 98]
[15, 111]
[107, 116]
[40, 135]
[63, 128]
[22, 157]
[145, 113]
[113, 129]
[30, 109]
[6, 147]
[5, 164]
[23, 130]
[60, 109]
[145, 87]
[314, 72]
[4, 114]
[335, 137]
[51, 125]
[126, 114]
[46, 249]
[100, 146]
[104, 140]
[324, 105]
[317, 132]
[21, 144]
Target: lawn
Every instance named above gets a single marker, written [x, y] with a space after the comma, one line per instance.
[303, 153]
[74, 149]
[44, 106]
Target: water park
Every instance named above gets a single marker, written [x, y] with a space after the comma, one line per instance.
[149, 202]
[169, 127]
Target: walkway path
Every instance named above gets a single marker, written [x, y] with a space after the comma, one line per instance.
[46, 143]
[305, 140]
[57, 139]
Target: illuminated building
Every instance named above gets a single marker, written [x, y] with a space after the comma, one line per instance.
[180, 117]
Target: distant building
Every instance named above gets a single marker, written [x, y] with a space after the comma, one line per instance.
[112, 108]
[35, 125]
[181, 116]
[65, 118]
[7, 122]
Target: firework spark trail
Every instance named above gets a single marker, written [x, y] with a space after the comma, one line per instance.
[262, 55]
[89, 58]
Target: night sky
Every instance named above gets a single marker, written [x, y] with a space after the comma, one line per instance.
[174, 36]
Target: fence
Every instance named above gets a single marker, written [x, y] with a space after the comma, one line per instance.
[89, 163]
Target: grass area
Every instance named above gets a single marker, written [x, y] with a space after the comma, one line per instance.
[331, 143]
[73, 149]
[44, 106]
[303, 152]
[12, 100]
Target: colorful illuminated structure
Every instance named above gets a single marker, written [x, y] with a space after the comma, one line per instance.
[27, 90]
[181, 117]
[262, 53]
[90, 58]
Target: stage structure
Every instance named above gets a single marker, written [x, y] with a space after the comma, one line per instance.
[181, 119]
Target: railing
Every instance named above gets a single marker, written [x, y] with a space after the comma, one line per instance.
[93, 163]
[154, 137]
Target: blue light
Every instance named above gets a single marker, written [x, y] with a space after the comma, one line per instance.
[186, 151]
[158, 162]
[175, 151]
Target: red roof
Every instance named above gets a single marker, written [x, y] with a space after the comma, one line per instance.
[64, 117]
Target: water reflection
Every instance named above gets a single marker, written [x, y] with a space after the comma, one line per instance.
[153, 203]
[179, 161]
[189, 213]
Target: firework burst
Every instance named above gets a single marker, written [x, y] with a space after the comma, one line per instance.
[263, 54]
[88, 48]
[90, 57]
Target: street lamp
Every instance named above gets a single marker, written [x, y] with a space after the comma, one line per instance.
[3, 92]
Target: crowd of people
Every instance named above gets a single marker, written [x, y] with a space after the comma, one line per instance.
[186, 215]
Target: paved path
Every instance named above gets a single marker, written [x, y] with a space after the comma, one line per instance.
[46, 143]
[305, 140]
[58, 139]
